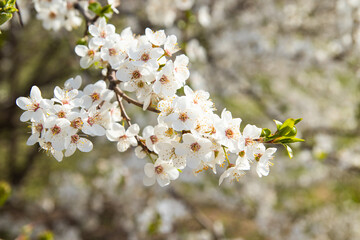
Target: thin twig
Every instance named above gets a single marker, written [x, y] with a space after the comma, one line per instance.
[19, 14]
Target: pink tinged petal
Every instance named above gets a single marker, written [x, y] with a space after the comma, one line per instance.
[84, 145]
[122, 146]
[81, 50]
[23, 103]
[32, 139]
[149, 170]
[70, 150]
[26, 116]
[148, 181]
[162, 181]
[35, 93]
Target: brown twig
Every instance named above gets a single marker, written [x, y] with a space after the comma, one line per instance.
[19, 14]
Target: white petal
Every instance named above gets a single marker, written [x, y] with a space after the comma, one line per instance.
[23, 102]
[70, 150]
[149, 170]
[133, 130]
[32, 139]
[84, 145]
[35, 93]
[122, 146]
[148, 181]
[81, 50]
[163, 181]
[26, 116]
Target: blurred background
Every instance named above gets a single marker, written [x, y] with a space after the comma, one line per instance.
[262, 60]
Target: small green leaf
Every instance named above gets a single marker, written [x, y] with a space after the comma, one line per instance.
[5, 192]
[278, 124]
[292, 133]
[296, 121]
[82, 41]
[265, 132]
[289, 150]
[286, 127]
[106, 9]
[288, 140]
[95, 7]
[4, 17]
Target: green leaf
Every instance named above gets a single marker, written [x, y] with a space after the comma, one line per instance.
[292, 133]
[95, 7]
[82, 41]
[288, 140]
[106, 9]
[4, 17]
[265, 132]
[5, 192]
[278, 124]
[296, 121]
[289, 150]
[286, 127]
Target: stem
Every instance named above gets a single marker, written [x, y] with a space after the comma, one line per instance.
[226, 156]
[19, 14]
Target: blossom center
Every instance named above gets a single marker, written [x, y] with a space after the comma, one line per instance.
[55, 130]
[159, 169]
[95, 96]
[103, 34]
[229, 133]
[258, 156]
[61, 114]
[145, 57]
[140, 84]
[195, 147]
[136, 74]
[91, 121]
[35, 106]
[164, 79]
[52, 15]
[154, 139]
[75, 138]
[183, 117]
[112, 52]
[91, 53]
[39, 128]
[77, 123]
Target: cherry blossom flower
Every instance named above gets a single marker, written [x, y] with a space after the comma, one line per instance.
[124, 138]
[161, 171]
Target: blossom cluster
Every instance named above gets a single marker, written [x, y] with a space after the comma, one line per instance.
[60, 124]
[188, 132]
[58, 14]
